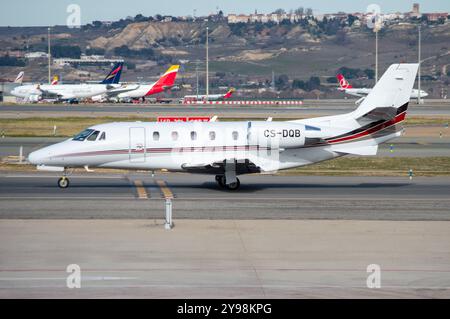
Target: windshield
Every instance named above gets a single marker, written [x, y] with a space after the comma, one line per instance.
[93, 136]
[82, 136]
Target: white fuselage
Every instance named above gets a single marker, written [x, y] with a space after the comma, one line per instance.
[211, 97]
[181, 146]
[361, 92]
[61, 91]
[185, 146]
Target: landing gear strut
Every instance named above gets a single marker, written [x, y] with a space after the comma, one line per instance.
[222, 182]
[63, 182]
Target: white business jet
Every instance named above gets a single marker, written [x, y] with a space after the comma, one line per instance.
[229, 149]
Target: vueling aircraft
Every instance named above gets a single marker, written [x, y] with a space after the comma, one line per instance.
[68, 92]
[229, 149]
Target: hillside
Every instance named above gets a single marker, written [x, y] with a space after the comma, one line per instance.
[244, 54]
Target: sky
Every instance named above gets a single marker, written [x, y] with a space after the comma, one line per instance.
[54, 12]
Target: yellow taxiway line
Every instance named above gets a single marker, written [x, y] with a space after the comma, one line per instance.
[142, 193]
[167, 193]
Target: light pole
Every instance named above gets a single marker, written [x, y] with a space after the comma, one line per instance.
[49, 57]
[418, 82]
[207, 63]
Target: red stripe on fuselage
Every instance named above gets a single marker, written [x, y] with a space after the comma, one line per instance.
[400, 117]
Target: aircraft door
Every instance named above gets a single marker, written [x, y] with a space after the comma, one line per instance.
[137, 147]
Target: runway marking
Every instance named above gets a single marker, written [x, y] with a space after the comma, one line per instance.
[167, 193]
[142, 193]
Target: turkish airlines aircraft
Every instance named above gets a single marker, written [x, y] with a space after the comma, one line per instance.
[211, 97]
[138, 91]
[229, 149]
[61, 92]
[363, 92]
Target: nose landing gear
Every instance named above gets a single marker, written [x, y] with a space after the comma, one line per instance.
[63, 182]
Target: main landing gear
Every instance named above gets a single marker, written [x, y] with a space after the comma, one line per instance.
[222, 182]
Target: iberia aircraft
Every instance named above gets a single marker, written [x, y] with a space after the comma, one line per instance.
[65, 92]
[138, 91]
[210, 97]
[363, 92]
[229, 149]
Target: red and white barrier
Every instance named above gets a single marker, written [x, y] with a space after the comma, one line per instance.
[244, 102]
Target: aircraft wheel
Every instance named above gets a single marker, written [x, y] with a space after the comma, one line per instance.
[220, 179]
[63, 182]
[234, 186]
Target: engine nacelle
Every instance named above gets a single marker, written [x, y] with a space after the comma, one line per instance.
[35, 98]
[277, 135]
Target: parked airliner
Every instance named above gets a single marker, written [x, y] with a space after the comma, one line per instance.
[65, 92]
[210, 97]
[140, 91]
[229, 149]
[347, 88]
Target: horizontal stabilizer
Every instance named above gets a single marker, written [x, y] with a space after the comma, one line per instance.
[355, 149]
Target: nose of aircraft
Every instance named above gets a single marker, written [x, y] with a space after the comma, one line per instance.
[35, 157]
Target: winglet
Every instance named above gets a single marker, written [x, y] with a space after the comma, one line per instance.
[229, 93]
[19, 78]
[55, 80]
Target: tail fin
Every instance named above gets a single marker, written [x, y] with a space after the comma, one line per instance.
[113, 77]
[19, 78]
[229, 93]
[390, 95]
[343, 83]
[166, 81]
[378, 118]
[55, 80]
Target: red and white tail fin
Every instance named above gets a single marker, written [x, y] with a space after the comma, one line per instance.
[55, 80]
[229, 93]
[166, 81]
[343, 83]
[19, 78]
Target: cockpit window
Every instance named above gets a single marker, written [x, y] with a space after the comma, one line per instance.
[82, 136]
[93, 136]
[102, 137]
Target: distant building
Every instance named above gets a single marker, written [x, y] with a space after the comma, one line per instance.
[416, 8]
[436, 16]
[36, 55]
[93, 60]
[241, 18]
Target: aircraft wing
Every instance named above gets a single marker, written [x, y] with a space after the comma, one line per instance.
[123, 89]
[246, 162]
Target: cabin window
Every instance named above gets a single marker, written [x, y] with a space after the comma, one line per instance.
[82, 136]
[212, 135]
[235, 135]
[156, 136]
[93, 136]
[102, 136]
[193, 135]
[174, 135]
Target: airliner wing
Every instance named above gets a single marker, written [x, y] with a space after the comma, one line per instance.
[122, 89]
